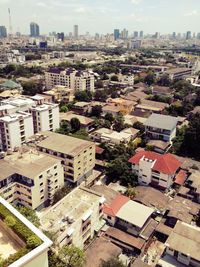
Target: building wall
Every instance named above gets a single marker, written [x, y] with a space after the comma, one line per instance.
[40, 261]
[40, 190]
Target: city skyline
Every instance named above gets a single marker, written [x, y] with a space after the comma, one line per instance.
[103, 16]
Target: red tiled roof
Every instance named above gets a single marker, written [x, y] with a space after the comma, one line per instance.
[166, 163]
[99, 150]
[180, 177]
[115, 205]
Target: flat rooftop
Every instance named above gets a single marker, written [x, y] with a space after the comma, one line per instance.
[64, 143]
[83, 119]
[103, 249]
[162, 121]
[77, 204]
[135, 213]
[185, 238]
[29, 164]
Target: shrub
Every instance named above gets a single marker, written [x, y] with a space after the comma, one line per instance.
[10, 221]
[33, 241]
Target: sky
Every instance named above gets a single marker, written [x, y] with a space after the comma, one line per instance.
[102, 16]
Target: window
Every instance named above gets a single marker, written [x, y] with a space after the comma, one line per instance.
[42, 190]
[55, 167]
[109, 217]
[40, 176]
[56, 174]
[41, 184]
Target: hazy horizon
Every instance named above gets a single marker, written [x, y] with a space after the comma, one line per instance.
[165, 16]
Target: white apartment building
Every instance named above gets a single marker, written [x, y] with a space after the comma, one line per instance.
[78, 156]
[45, 117]
[15, 129]
[22, 117]
[70, 78]
[75, 218]
[155, 169]
[35, 257]
[30, 179]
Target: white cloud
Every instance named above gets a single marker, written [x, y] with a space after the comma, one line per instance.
[192, 13]
[136, 2]
[80, 10]
[41, 4]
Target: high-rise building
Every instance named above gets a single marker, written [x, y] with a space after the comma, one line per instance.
[188, 35]
[135, 34]
[3, 32]
[116, 34]
[61, 36]
[174, 35]
[141, 34]
[124, 34]
[34, 29]
[76, 31]
[198, 35]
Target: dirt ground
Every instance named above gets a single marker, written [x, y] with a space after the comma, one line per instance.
[8, 245]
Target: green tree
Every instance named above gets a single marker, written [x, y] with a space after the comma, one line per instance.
[32, 88]
[131, 192]
[75, 124]
[72, 256]
[113, 262]
[119, 123]
[64, 128]
[109, 117]
[29, 214]
[164, 80]
[114, 78]
[149, 79]
[96, 111]
[85, 96]
[100, 95]
[60, 193]
[64, 108]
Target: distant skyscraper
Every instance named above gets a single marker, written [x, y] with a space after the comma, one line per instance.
[76, 31]
[61, 36]
[135, 34]
[188, 35]
[141, 34]
[34, 29]
[198, 35]
[116, 34]
[174, 35]
[124, 34]
[3, 32]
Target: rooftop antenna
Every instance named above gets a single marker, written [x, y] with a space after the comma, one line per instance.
[10, 23]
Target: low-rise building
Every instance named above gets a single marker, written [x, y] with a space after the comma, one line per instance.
[12, 242]
[71, 78]
[61, 93]
[75, 218]
[126, 106]
[179, 73]
[161, 127]
[113, 137]
[78, 156]
[126, 214]
[31, 178]
[155, 169]
[86, 123]
[182, 246]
